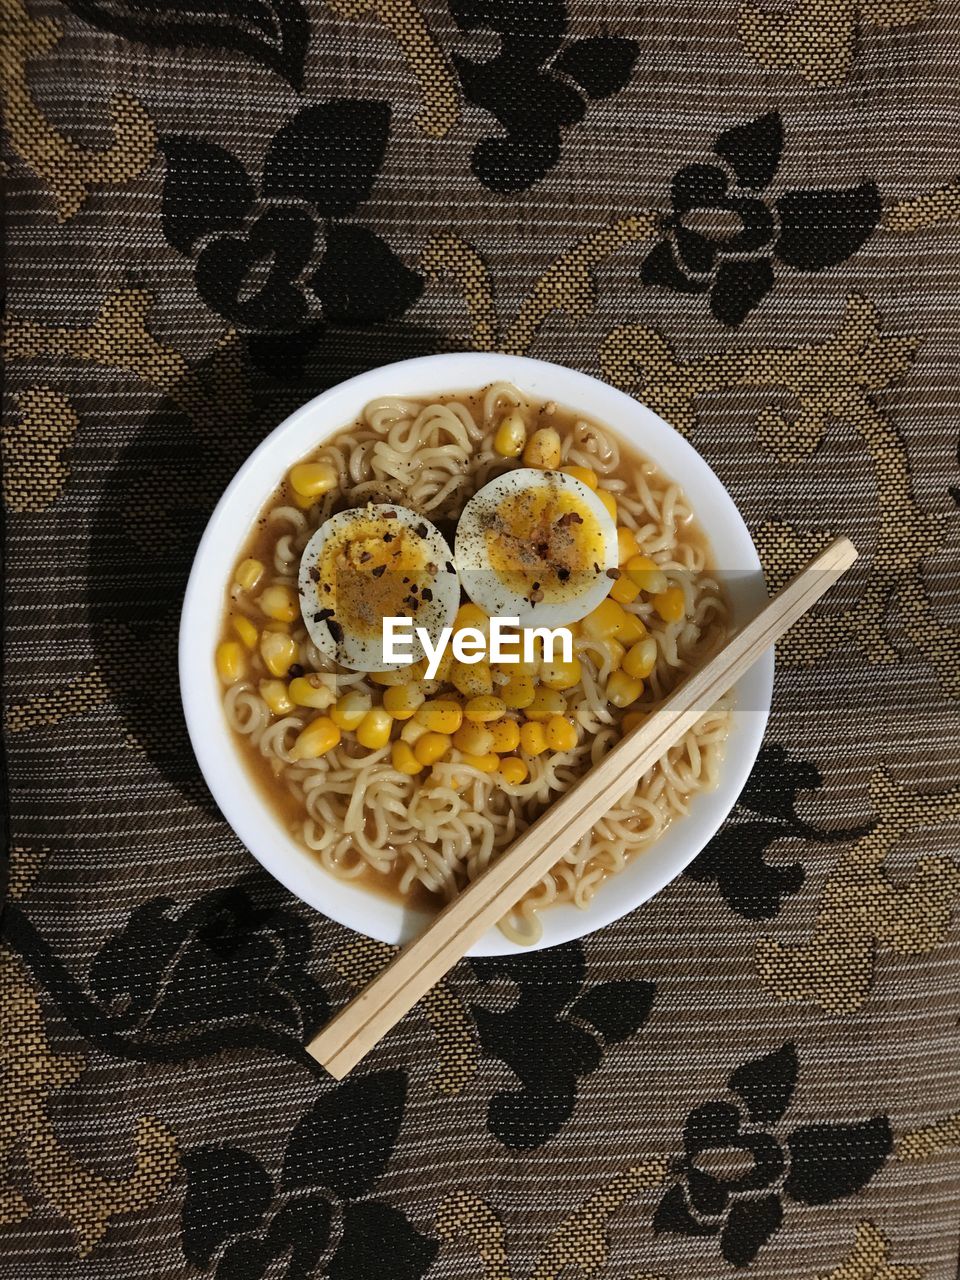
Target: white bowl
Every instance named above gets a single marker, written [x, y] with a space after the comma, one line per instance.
[219, 755]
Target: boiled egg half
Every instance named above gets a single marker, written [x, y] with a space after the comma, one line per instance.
[369, 563]
[536, 545]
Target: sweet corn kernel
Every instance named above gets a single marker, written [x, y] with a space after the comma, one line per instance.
[632, 629]
[441, 715]
[623, 689]
[402, 700]
[518, 692]
[670, 604]
[609, 501]
[627, 545]
[641, 659]
[249, 573]
[617, 653]
[586, 475]
[279, 602]
[444, 666]
[230, 661]
[561, 675]
[274, 693]
[413, 731]
[403, 759]
[533, 738]
[546, 703]
[373, 731]
[245, 629]
[474, 738]
[543, 450]
[632, 720]
[471, 679]
[561, 733]
[279, 652]
[624, 590]
[647, 574]
[471, 615]
[486, 764]
[350, 709]
[432, 747]
[511, 436]
[485, 707]
[513, 770]
[310, 691]
[605, 620]
[388, 678]
[505, 735]
[313, 479]
[319, 737]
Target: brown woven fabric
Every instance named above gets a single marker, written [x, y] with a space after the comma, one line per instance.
[750, 219]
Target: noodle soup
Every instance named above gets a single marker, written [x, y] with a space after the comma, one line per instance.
[410, 786]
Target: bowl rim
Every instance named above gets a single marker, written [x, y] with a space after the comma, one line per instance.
[219, 756]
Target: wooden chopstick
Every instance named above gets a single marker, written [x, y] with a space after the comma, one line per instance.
[414, 970]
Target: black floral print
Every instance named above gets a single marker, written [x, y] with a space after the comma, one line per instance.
[316, 1209]
[765, 813]
[723, 234]
[532, 86]
[548, 1037]
[736, 1170]
[255, 258]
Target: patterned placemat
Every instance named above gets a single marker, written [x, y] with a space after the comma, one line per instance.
[747, 215]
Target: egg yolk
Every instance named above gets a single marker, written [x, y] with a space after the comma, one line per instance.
[375, 568]
[544, 543]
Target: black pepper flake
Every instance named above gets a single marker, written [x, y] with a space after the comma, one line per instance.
[335, 630]
[388, 537]
[536, 586]
[563, 574]
[295, 671]
[570, 517]
[326, 586]
[389, 515]
[613, 573]
[421, 530]
[379, 571]
[365, 556]
[427, 594]
[542, 550]
[314, 573]
[596, 567]
[449, 567]
[322, 615]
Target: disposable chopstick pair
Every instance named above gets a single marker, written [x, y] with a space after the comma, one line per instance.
[424, 961]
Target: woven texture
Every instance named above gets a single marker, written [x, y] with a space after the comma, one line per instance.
[749, 218]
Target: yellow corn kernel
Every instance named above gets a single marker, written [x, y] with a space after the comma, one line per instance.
[505, 735]
[641, 659]
[319, 737]
[546, 703]
[350, 709]
[586, 475]
[486, 706]
[561, 675]
[617, 653]
[413, 731]
[388, 678]
[670, 604]
[432, 747]
[471, 679]
[471, 615]
[623, 689]
[518, 692]
[543, 450]
[533, 738]
[605, 620]
[444, 666]
[561, 733]
[632, 720]
[249, 573]
[230, 661]
[310, 691]
[627, 545]
[403, 759]
[440, 715]
[245, 629]
[609, 501]
[474, 738]
[486, 764]
[632, 629]
[513, 770]
[279, 652]
[274, 693]
[373, 731]
[511, 436]
[313, 479]
[647, 574]
[402, 700]
[279, 602]
[624, 590]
